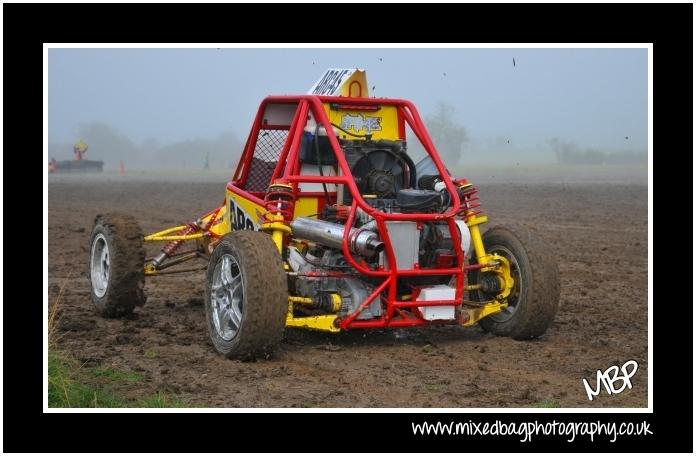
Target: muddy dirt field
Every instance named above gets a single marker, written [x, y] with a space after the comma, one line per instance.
[599, 232]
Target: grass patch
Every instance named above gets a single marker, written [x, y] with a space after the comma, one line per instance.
[115, 374]
[66, 387]
[65, 390]
[161, 400]
[71, 385]
[549, 402]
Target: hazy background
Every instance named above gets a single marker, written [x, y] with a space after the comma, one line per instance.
[170, 108]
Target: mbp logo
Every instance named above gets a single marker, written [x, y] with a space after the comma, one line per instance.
[610, 377]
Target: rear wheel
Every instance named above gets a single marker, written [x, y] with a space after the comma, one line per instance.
[116, 259]
[246, 299]
[533, 301]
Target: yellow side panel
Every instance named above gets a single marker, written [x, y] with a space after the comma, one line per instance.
[306, 205]
[381, 124]
[243, 214]
[221, 226]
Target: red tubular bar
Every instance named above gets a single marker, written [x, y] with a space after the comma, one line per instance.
[418, 127]
[325, 274]
[347, 253]
[407, 113]
[253, 198]
[317, 179]
[300, 112]
[456, 241]
[406, 322]
[240, 176]
[345, 323]
[441, 302]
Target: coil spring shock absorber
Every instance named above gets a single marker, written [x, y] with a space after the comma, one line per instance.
[279, 201]
[470, 211]
[280, 209]
[468, 195]
[172, 246]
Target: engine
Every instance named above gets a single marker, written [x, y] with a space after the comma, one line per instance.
[321, 273]
[380, 168]
[386, 178]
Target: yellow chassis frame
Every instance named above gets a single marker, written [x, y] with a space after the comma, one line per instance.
[166, 236]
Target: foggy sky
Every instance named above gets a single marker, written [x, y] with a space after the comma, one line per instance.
[592, 97]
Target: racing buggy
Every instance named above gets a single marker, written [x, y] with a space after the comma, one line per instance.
[328, 224]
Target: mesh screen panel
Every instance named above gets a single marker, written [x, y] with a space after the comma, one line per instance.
[263, 163]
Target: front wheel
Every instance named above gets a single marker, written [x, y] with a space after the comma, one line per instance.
[246, 297]
[533, 301]
[116, 258]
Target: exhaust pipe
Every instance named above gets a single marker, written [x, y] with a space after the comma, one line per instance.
[360, 240]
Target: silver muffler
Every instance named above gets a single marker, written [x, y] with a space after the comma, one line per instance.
[361, 241]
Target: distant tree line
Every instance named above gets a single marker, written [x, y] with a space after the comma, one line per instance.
[108, 144]
[449, 136]
[568, 153]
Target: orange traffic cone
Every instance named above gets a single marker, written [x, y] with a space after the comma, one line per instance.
[122, 169]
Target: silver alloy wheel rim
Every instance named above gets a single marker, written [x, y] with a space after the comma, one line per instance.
[226, 297]
[517, 290]
[100, 265]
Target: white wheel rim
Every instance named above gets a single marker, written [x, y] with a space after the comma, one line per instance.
[100, 265]
[227, 297]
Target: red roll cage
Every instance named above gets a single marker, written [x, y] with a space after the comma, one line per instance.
[287, 171]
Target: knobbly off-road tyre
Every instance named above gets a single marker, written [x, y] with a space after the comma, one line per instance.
[246, 296]
[116, 261]
[533, 302]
